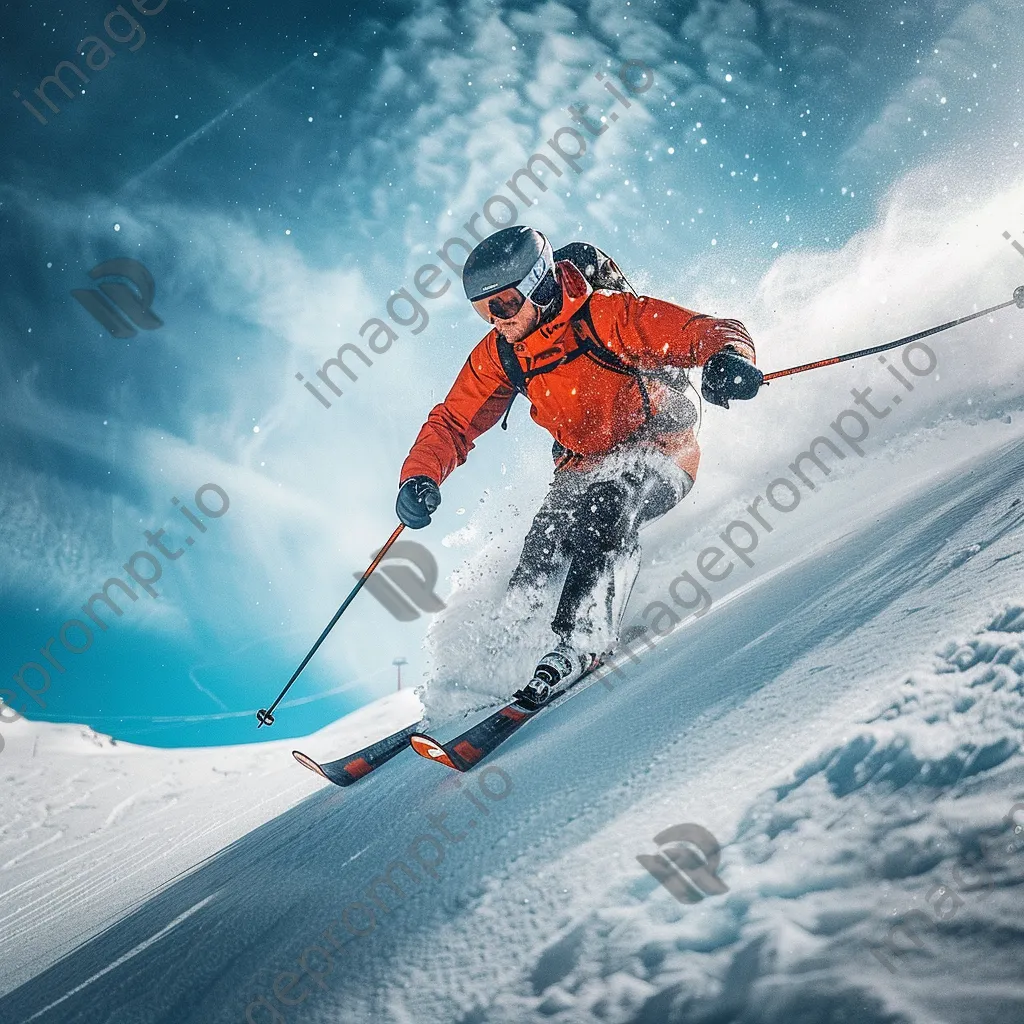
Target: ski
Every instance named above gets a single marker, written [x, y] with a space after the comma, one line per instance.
[348, 770]
[473, 745]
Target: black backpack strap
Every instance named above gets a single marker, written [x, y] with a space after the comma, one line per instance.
[519, 378]
[511, 365]
[588, 343]
[514, 371]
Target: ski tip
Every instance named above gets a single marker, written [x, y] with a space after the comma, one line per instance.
[308, 762]
[429, 748]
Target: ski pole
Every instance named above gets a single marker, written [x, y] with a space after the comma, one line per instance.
[1018, 300]
[266, 717]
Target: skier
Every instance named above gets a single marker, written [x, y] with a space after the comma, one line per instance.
[605, 372]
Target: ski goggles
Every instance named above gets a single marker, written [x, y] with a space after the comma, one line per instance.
[502, 305]
[505, 304]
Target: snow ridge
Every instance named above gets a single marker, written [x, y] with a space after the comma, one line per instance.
[885, 874]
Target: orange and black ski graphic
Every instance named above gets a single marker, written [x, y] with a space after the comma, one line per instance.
[348, 770]
[476, 743]
[473, 745]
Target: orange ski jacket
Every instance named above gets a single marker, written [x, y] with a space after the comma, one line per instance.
[588, 408]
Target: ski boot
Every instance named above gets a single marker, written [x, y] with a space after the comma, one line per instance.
[555, 672]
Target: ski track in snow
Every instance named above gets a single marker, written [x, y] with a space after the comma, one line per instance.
[142, 947]
[847, 721]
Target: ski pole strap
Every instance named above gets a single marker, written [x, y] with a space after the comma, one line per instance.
[1017, 300]
[267, 717]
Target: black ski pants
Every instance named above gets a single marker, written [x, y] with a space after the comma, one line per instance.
[586, 533]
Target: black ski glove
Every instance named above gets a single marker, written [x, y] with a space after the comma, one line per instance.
[727, 375]
[418, 498]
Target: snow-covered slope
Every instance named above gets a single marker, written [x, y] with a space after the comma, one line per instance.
[90, 827]
[846, 721]
[881, 880]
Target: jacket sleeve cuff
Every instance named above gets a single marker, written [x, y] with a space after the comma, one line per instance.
[736, 338]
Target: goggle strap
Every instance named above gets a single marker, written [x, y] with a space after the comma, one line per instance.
[528, 285]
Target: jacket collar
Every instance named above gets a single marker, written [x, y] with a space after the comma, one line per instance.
[575, 292]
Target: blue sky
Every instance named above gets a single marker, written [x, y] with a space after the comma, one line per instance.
[281, 170]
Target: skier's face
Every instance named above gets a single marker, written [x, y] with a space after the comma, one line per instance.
[517, 327]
